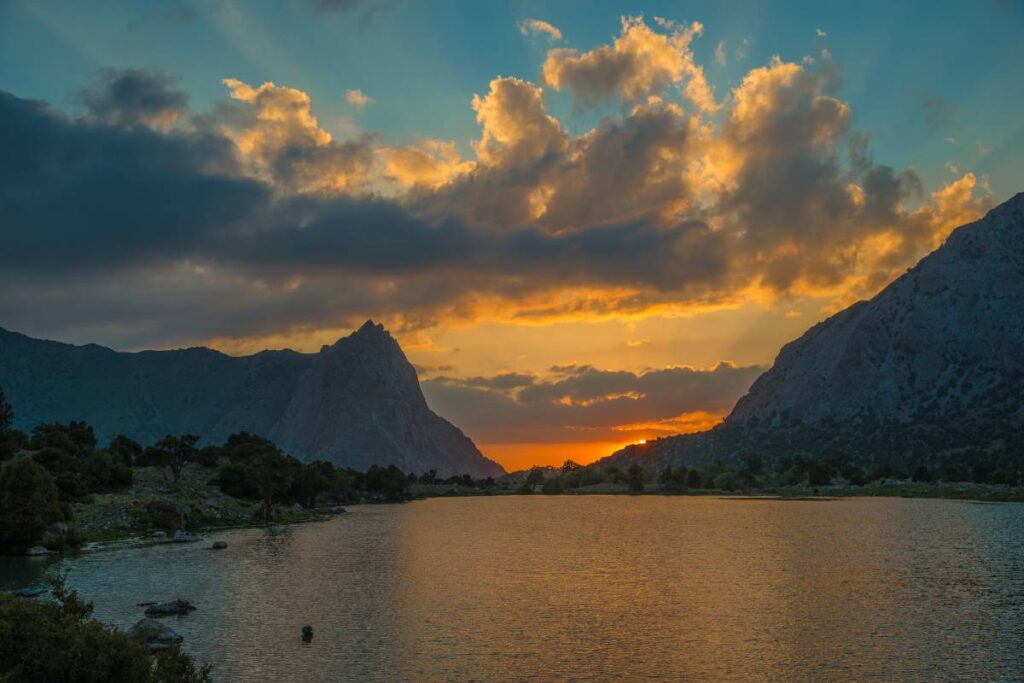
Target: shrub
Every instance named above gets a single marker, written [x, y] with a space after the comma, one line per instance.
[29, 502]
[61, 642]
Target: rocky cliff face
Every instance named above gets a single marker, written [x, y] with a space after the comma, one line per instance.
[356, 403]
[934, 364]
[945, 337]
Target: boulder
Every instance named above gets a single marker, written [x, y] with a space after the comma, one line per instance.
[39, 550]
[182, 536]
[307, 633]
[159, 536]
[59, 528]
[30, 592]
[177, 607]
[157, 635]
[167, 514]
[219, 545]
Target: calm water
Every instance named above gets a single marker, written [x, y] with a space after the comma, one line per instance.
[596, 588]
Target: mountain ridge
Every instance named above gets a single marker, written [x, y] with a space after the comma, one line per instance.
[356, 402]
[932, 363]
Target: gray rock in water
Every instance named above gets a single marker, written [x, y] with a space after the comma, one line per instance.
[219, 545]
[182, 536]
[177, 607]
[38, 550]
[157, 635]
[307, 633]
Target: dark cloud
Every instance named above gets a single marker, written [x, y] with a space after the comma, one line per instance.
[584, 403]
[131, 97]
[939, 113]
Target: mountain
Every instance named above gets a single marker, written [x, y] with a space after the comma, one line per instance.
[356, 403]
[933, 364]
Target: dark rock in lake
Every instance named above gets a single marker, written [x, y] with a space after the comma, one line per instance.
[307, 633]
[59, 528]
[182, 536]
[167, 514]
[177, 607]
[219, 545]
[157, 635]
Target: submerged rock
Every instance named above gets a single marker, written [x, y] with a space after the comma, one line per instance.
[177, 607]
[219, 545]
[30, 592]
[307, 633]
[182, 536]
[157, 635]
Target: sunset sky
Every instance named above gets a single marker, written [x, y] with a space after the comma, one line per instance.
[587, 223]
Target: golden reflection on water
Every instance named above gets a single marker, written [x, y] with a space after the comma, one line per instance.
[599, 588]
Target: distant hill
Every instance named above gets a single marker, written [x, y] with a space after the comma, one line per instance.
[356, 403]
[931, 367]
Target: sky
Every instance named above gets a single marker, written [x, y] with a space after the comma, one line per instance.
[588, 224]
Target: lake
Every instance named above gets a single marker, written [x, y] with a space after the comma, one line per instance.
[593, 588]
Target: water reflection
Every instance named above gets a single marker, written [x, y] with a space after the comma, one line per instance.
[597, 588]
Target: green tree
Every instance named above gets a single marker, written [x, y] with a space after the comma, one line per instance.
[535, 476]
[29, 502]
[636, 478]
[174, 452]
[271, 473]
[59, 641]
[552, 486]
[693, 479]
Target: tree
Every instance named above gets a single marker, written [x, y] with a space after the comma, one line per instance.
[636, 478]
[174, 452]
[818, 474]
[271, 474]
[535, 476]
[59, 641]
[552, 486]
[693, 479]
[124, 449]
[29, 502]
[6, 414]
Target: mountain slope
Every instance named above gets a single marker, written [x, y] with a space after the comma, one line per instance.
[356, 403]
[934, 361]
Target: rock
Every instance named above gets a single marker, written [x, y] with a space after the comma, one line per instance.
[157, 635]
[297, 507]
[167, 514]
[39, 550]
[338, 510]
[29, 592]
[182, 536]
[219, 545]
[159, 535]
[307, 633]
[58, 528]
[177, 607]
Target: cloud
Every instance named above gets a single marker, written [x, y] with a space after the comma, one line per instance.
[140, 221]
[133, 97]
[281, 142]
[720, 56]
[585, 403]
[528, 26]
[939, 113]
[640, 62]
[357, 99]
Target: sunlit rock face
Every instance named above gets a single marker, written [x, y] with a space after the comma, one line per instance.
[356, 403]
[945, 338]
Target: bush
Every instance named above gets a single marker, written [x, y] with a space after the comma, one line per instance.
[29, 502]
[61, 642]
